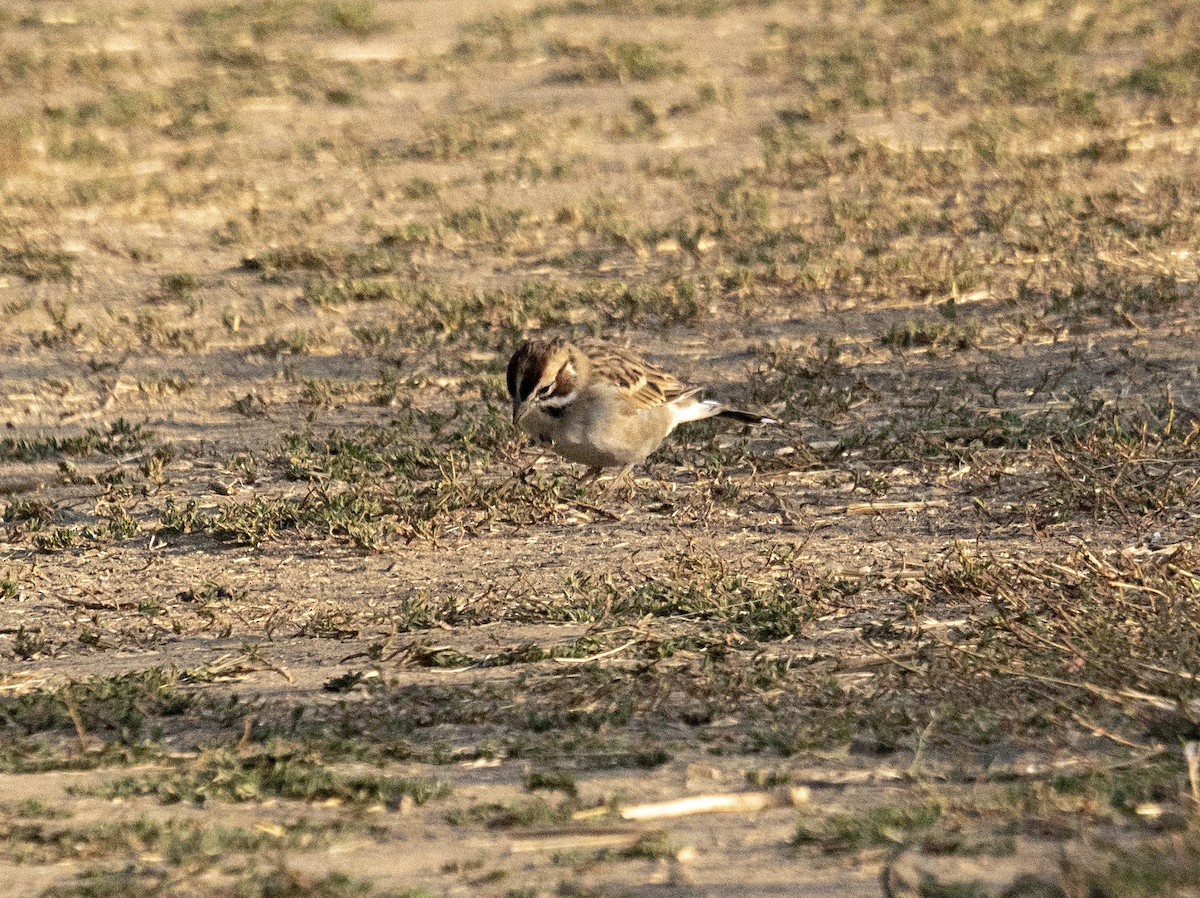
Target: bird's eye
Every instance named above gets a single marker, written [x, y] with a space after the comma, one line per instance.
[544, 392]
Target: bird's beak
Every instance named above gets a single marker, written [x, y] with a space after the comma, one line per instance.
[516, 411]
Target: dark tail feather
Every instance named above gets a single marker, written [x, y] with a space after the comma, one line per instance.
[746, 417]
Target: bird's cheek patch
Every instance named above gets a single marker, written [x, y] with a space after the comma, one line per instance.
[564, 383]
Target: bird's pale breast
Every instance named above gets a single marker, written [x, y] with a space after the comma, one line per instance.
[600, 429]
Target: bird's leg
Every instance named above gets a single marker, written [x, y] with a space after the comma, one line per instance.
[528, 469]
[589, 477]
[630, 486]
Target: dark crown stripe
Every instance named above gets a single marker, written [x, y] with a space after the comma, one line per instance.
[533, 373]
[513, 365]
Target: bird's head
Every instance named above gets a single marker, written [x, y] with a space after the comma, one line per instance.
[542, 374]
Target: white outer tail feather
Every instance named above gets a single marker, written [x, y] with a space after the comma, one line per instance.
[692, 409]
[688, 408]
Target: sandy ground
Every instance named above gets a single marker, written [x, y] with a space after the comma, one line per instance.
[350, 139]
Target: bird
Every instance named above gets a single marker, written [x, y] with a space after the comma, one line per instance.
[602, 406]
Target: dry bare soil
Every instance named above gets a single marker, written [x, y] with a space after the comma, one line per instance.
[286, 608]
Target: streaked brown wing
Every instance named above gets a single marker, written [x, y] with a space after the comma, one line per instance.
[645, 384]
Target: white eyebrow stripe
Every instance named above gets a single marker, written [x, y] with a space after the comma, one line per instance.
[558, 401]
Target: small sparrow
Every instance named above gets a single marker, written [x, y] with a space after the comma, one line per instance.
[601, 406]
